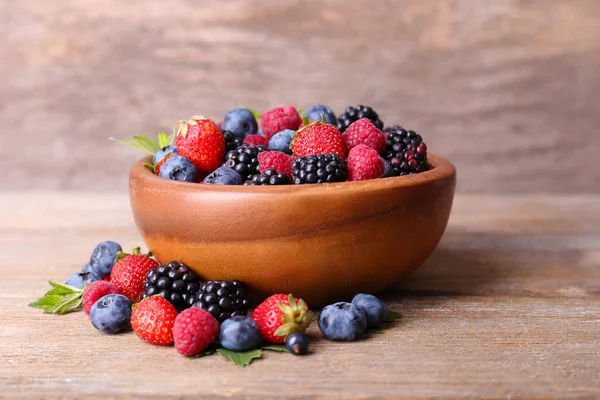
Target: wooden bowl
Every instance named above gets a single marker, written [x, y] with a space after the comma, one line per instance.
[322, 242]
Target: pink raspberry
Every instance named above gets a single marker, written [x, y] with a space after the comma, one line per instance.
[278, 160]
[364, 163]
[278, 119]
[194, 329]
[96, 290]
[256, 140]
[364, 132]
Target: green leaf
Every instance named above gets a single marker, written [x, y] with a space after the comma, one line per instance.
[241, 359]
[392, 315]
[61, 299]
[142, 143]
[305, 121]
[376, 330]
[276, 347]
[164, 140]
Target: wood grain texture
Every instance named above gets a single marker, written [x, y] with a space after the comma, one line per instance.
[508, 90]
[507, 307]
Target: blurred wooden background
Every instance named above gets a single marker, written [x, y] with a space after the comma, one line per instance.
[507, 89]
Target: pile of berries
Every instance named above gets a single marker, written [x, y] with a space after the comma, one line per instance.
[258, 150]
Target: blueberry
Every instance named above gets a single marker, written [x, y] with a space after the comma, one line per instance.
[103, 257]
[179, 168]
[297, 343]
[239, 334]
[111, 313]
[223, 176]
[241, 122]
[281, 141]
[318, 110]
[87, 268]
[372, 307]
[389, 170]
[162, 153]
[342, 321]
[80, 279]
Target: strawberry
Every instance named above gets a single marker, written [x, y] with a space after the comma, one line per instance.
[364, 163]
[280, 315]
[153, 319]
[278, 119]
[194, 329]
[364, 132]
[256, 140]
[279, 161]
[318, 138]
[200, 140]
[129, 273]
[95, 290]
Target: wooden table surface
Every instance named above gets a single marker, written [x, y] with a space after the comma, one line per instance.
[508, 306]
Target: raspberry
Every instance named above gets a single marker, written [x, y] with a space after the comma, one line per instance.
[278, 119]
[96, 290]
[256, 140]
[364, 163]
[364, 132]
[276, 160]
[194, 329]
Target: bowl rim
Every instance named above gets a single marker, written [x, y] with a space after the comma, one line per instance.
[440, 169]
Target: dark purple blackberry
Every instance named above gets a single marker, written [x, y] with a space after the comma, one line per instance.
[175, 282]
[355, 113]
[243, 160]
[405, 151]
[322, 168]
[269, 177]
[232, 142]
[223, 299]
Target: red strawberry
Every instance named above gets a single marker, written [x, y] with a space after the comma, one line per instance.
[129, 273]
[256, 140]
[153, 319]
[278, 119]
[95, 290]
[364, 132]
[280, 315]
[194, 329]
[200, 140]
[277, 160]
[318, 138]
[364, 163]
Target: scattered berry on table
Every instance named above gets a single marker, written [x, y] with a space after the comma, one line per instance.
[244, 160]
[239, 333]
[96, 290]
[194, 329]
[364, 132]
[232, 142]
[129, 273]
[364, 163]
[342, 321]
[175, 282]
[280, 315]
[223, 299]
[278, 119]
[111, 313]
[241, 122]
[268, 178]
[201, 141]
[103, 257]
[297, 344]
[322, 168]
[162, 153]
[80, 279]
[152, 320]
[355, 113]
[277, 160]
[318, 111]
[256, 140]
[406, 152]
[374, 308]
[281, 141]
[178, 168]
[223, 176]
[316, 139]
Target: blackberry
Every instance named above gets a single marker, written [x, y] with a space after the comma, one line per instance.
[269, 177]
[175, 282]
[243, 160]
[223, 299]
[232, 142]
[354, 114]
[322, 168]
[405, 151]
